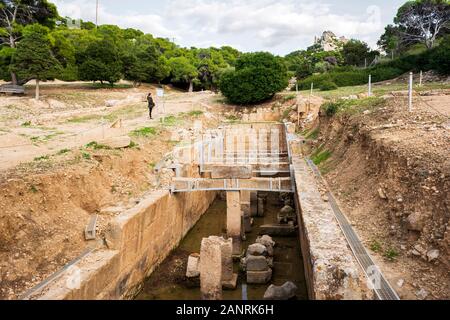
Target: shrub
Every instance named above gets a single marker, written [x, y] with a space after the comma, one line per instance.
[258, 76]
[331, 108]
[328, 85]
[440, 57]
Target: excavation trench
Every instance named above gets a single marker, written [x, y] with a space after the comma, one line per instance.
[145, 249]
[169, 282]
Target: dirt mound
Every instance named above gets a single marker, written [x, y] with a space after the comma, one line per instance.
[44, 210]
[389, 169]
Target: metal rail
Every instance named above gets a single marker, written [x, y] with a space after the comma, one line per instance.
[384, 290]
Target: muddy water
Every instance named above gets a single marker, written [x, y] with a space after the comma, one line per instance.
[168, 281]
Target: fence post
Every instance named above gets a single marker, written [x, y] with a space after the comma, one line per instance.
[370, 85]
[410, 93]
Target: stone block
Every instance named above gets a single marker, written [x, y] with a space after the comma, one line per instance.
[116, 142]
[259, 277]
[193, 266]
[211, 270]
[231, 172]
[278, 230]
[257, 263]
[230, 284]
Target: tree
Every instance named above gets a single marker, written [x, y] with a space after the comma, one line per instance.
[355, 53]
[15, 14]
[33, 58]
[422, 21]
[440, 57]
[390, 41]
[100, 62]
[257, 77]
[182, 70]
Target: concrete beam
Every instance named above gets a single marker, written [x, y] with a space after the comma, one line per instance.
[257, 167]
[234, 220]
[253, 184]
[231, 172]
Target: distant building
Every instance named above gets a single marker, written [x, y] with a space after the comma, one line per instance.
[329, 41]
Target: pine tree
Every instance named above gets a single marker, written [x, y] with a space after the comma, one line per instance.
[34, 58]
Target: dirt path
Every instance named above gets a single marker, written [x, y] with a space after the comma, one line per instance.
[68, 118]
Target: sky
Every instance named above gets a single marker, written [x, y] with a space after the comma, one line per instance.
[277, 26]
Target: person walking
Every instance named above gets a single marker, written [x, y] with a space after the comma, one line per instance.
[151, 104]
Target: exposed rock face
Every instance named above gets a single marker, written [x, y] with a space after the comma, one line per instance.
[329, 42]
[285, 292]
[416, 221]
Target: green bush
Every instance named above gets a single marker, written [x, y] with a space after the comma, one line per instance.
[328, 85]
[436, 59]
[440, 57]
[331, 108]
[257, 77]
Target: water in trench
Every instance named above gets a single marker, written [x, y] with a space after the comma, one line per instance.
[168, 281]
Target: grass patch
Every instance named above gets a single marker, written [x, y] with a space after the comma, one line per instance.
[169, 121]
[86, 156]
[321, 157]
[42, 158]
[26, 124]
[133, 145]
[375, 246]
[33, 189]
[391, 254]
[313, 135]
[289, 97]
[333, 108]
[96, 146]
[232, 117]
[82, 119]
[63, 151]
[287, 112]
[195, 113]
[145, 132]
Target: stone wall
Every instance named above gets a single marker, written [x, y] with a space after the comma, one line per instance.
[137, 242]
[332, 271]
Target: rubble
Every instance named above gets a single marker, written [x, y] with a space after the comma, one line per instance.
[285, 292]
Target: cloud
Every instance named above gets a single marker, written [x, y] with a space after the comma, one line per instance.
[277, 26]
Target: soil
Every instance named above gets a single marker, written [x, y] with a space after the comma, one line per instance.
[47, 202]
[390, 170]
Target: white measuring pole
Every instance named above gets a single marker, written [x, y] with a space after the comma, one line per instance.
[312, 87]
[410, 93]
[370, 85]
[421, 78]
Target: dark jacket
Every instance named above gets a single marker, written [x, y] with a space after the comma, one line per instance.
[151, 103]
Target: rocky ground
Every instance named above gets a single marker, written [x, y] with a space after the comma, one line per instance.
[390, 171]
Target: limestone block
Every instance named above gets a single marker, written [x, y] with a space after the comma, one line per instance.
[257, 263]
[231, 172]
[278, 230]
[259, 277]
[211, 270]
[234, 220]
[193, 266]
[116, 142]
